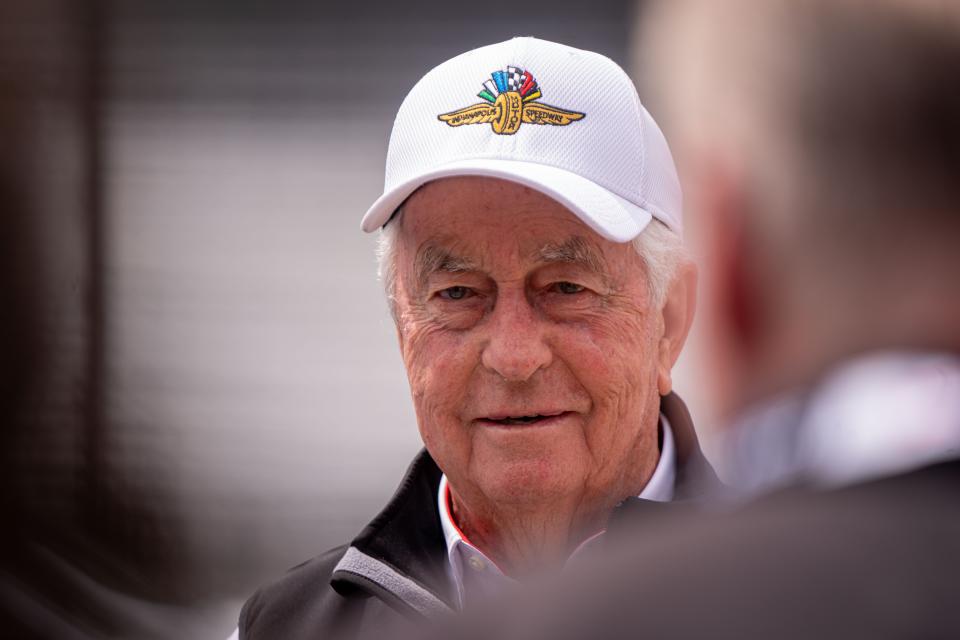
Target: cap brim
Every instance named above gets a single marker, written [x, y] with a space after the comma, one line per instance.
[611, 216]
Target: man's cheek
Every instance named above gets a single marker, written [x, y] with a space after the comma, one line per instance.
[436, 368]
[619, 375]
[598, 356]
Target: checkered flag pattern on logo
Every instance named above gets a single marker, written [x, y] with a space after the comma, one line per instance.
[514, 78]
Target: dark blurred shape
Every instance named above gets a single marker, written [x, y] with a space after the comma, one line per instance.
[81, 557]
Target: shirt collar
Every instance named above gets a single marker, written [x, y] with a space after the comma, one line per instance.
[472, 571]
[661, 484]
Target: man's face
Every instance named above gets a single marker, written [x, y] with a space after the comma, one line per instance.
[530, 344]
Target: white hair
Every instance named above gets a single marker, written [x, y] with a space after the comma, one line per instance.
[660, 248]
[662, 252]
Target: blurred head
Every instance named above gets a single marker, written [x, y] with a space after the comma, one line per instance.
[819, 143]
[536, 349]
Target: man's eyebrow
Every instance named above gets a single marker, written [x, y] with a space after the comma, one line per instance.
[431, 259]
[575, 250]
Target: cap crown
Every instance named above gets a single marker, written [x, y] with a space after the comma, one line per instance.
[598, 127]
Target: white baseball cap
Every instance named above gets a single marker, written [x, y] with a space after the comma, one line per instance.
[560, 120]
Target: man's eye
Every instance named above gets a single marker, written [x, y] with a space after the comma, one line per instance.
[455, 293]
[568, 288]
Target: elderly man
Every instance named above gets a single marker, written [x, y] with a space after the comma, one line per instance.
[531, 253]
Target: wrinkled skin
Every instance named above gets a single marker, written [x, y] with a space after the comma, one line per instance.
[508, 305]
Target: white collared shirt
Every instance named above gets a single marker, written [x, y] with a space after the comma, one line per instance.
[472, 571]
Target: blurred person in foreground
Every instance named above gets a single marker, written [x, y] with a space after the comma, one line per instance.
[531, 253]
[72, 566]
[820, 146]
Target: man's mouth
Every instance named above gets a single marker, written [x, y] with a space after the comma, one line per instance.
[524, 420]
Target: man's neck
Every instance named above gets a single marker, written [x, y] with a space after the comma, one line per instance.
[528, 541]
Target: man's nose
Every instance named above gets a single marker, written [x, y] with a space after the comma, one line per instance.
[516, 346]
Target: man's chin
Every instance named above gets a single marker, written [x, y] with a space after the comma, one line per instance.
[535, 480]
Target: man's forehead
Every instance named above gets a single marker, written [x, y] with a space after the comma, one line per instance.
[477, 223]
[454, 254]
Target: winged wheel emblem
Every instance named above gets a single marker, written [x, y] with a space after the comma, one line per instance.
[510, 99]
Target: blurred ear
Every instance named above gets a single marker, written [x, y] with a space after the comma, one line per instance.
[678, 310]
[735, 303]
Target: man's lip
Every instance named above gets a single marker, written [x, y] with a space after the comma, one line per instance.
[514, 420]
[503, 415]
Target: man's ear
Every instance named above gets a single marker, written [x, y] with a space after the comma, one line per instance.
[678, 310]
[734, 302]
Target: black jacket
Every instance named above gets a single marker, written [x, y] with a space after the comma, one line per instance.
[394, 571]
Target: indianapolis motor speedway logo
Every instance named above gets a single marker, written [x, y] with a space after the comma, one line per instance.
[510, 100]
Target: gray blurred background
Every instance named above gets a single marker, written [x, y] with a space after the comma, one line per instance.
[225, 366]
